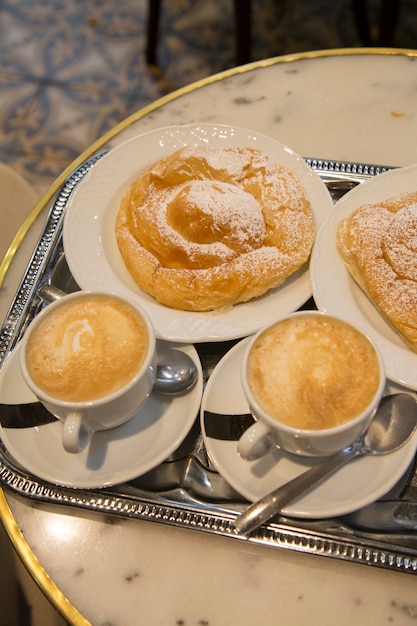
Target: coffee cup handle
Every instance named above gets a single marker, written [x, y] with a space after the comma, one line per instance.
[76, 433]
[255, 442]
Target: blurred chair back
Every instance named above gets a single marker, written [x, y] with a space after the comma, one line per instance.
[242, 18]
[379, 34]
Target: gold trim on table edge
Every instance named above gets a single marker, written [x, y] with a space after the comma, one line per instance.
[99, 143]
[45, 583]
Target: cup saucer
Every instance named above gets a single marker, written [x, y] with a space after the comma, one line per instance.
[359, 483]
[114, 456]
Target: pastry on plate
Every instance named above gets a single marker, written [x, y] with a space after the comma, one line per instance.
[378, 245]
[207, 228]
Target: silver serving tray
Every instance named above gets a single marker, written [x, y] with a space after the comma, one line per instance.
[186, 490]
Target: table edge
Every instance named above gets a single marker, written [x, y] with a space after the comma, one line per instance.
[142, 112]
[54, 595]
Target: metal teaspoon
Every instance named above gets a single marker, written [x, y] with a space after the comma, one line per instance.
[176, 372]
[394, 423]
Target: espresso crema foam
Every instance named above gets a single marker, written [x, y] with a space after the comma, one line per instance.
[87, 348]
[313, 373]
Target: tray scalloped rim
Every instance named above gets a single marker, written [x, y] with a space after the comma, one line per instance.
[195, 515]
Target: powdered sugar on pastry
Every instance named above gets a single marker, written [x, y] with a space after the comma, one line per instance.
[378, 244]
[206, 228]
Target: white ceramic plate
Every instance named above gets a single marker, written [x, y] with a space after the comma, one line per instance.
[94, 258]
[116, 455]
[335, 292]
[359, 483]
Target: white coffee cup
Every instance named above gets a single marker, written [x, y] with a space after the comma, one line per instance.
[90, 359]
[313, 383]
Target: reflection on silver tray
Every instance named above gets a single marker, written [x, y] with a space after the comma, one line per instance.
[186, 490]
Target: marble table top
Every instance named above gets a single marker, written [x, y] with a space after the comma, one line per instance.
[356, 106]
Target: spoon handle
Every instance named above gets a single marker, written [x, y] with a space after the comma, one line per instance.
[271, 504]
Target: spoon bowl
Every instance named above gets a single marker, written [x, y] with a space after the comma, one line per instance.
[393, 424]
[176, 372]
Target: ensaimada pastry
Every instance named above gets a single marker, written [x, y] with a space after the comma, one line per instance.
[378, 244]
[207, 228]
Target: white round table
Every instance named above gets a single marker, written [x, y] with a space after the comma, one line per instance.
[349, 105]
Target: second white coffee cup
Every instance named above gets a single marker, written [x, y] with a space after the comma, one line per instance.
[313, 383]
[90, 358]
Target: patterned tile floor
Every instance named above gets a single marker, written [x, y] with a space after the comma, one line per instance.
[69, 70]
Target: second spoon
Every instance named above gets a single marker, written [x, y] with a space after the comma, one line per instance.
[394, 423]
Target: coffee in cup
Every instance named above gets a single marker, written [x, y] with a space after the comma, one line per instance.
[89, 358]
[312, 382]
